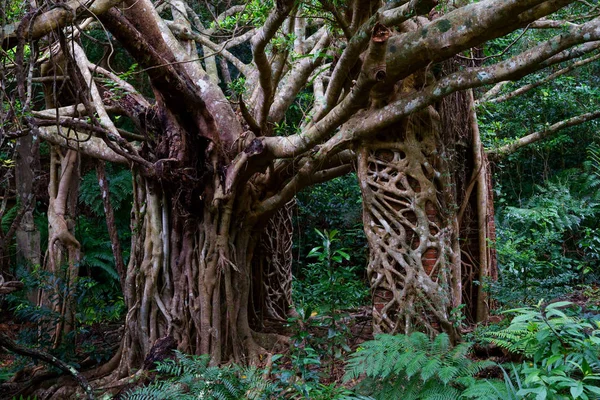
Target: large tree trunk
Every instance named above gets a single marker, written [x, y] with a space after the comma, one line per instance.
[425, 185]
[188, 276]
[414, 265]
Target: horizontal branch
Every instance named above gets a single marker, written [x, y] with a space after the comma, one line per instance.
[510, 148]
[312, 170]
[526, 88]
[362, 126]
[53, 19]
[550, 24]
[82, 142]
[460, 30]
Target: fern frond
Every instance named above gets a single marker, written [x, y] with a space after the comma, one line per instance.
[448, 373]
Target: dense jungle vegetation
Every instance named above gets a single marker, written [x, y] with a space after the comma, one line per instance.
[140, 260]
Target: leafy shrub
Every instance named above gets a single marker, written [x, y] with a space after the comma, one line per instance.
[561, 352]
[322, 298]
[329, 284]
[550, 244]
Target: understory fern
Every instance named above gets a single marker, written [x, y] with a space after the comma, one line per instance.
[191, 377]
[413, 367]
[551, 334]
[120, 186]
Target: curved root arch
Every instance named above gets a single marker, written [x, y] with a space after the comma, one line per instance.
[412, 266]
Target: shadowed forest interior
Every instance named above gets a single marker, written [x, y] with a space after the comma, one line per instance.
[299, 199]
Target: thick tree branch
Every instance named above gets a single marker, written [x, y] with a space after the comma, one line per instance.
[510, 148]
[526, 88]
[363, 125]
[573, 53]
[259, 42]
[311, 171]
[372, 72]
[71, 139]
[459, 30]
[55, 18]
[360, 41]
[296, 79]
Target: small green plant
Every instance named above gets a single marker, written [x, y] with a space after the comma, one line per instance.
[329, 289]
[413, 367]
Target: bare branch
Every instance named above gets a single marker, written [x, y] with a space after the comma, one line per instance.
[573, 53]
[510, 148]
[259, 43]
[492, 92]
[297, 78]
[312, 171]
[373, 71]
[359, 42]
[511, 69]
[218, 49]
[551, 24]
[526, 88]
[459, 30]
[71, 139]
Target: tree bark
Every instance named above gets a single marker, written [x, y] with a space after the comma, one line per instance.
[188, 276]
[414, 269]
[27, 234]
[63, 248]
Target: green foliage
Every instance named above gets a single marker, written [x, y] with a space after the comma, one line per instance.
[552, 333]
[119, 183]
[561, 353]
[322, 326]
[330, 284]
[91, 230]
[192, 377]
[9, 217]
[255, 13]
[551, 242]
[332, 205]
[413, 367]
[96, 303]
[238, 86]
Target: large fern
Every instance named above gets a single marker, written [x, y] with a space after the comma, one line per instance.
[552, 335]
[120, 185]
[413, 367]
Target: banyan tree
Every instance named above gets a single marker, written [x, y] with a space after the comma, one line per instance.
[383, 88]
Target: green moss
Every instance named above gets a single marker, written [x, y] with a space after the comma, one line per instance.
[444, 25]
